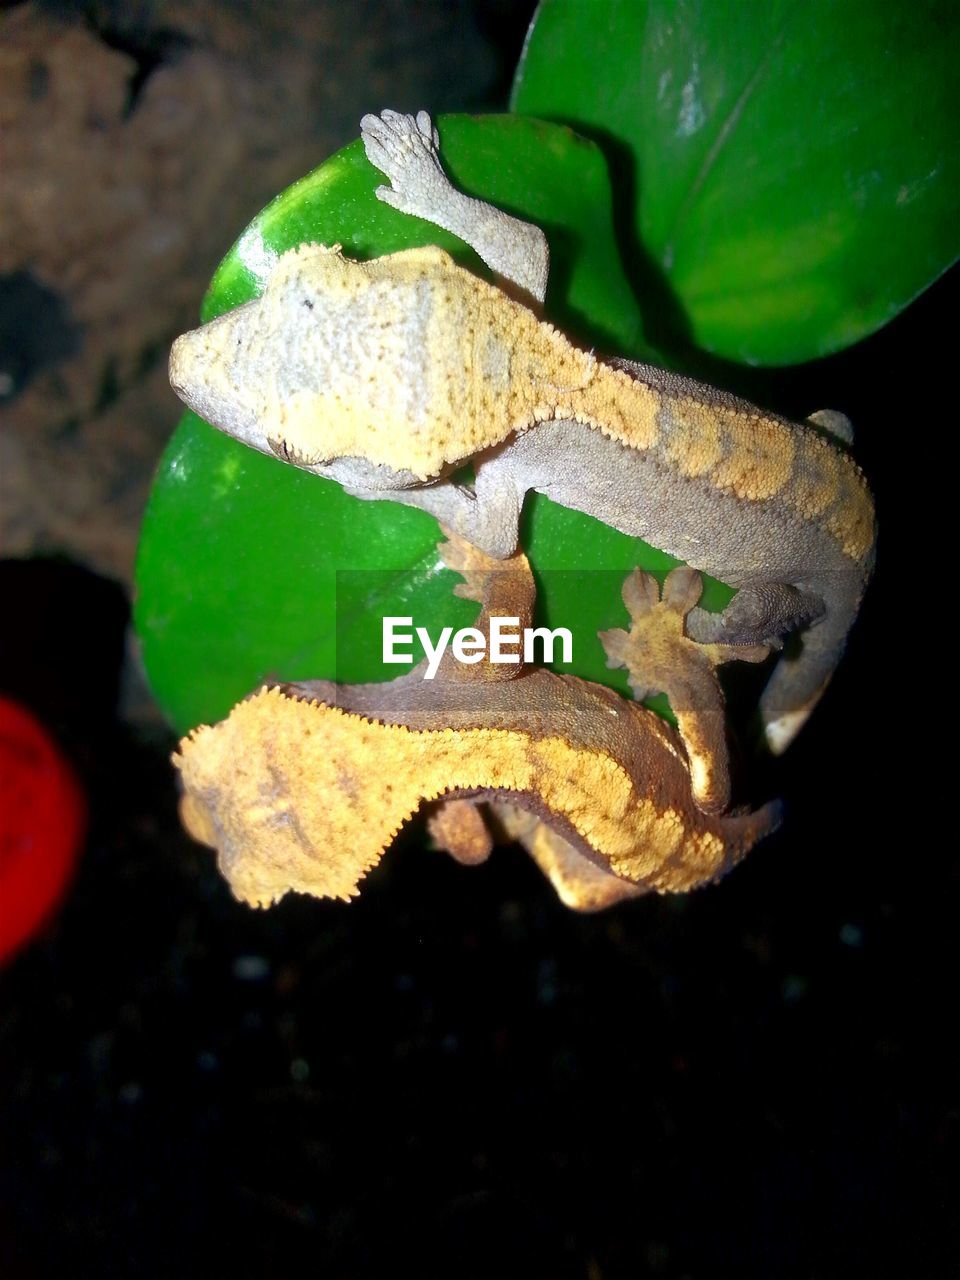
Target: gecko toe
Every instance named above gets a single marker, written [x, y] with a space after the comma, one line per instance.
[387, 195]
[640, 593]
[427, 130]
[682, 589]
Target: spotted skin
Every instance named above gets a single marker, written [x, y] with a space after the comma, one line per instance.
[388, 375]
[304, 787]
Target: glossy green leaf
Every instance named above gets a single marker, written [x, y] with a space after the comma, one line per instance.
[249, 569]
[792, 168]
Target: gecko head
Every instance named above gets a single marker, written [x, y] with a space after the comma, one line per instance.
[253, 371]
[329, 363]
[208, 371]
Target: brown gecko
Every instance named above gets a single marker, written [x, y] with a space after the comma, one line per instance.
[304, 786]
[388, 375]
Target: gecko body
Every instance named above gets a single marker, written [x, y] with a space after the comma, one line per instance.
[388, 375]
[303, 787]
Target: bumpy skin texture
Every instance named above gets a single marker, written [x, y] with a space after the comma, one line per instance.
[387, 375]
[661, 658]
[304, 787]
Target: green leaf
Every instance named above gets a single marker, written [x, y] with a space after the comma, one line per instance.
[793, 166]
[249, 569]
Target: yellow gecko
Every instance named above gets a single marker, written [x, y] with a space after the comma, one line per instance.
[389, 375]
[304, 786]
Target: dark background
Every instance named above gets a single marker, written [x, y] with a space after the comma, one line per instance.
[455, 1076]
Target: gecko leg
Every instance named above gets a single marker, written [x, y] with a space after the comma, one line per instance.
[503, 589]
[462, 828]
[407, 150]
[484, 514]
[579, 883]
[661, 658]
[759, 613]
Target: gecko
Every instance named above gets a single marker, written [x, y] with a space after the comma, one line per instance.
[389, 375]
[305, 785]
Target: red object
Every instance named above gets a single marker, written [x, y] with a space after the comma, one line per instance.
[43, 817]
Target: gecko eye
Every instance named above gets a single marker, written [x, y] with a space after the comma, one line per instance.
[279, 447]
[287, 453]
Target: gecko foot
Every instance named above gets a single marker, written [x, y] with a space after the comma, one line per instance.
[458, 828]
[661, 658]
[406, 149]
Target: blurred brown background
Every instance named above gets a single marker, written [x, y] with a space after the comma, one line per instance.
[138, 140]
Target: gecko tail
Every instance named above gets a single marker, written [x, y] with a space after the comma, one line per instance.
[741, 831]
[755, 824]
[799, 682]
